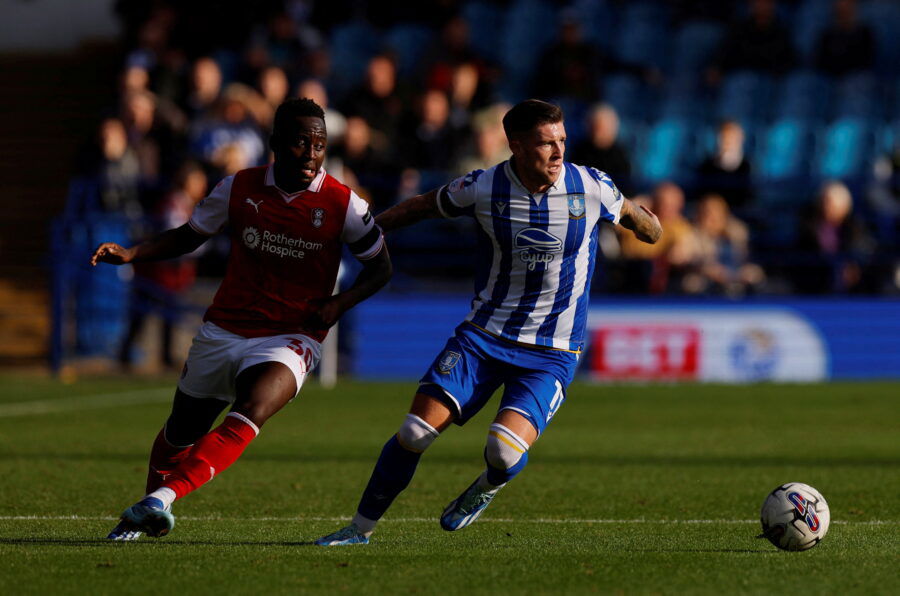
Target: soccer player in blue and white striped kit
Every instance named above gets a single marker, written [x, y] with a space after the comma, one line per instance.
[538, 222]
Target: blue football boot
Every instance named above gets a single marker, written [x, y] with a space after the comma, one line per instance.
[149, 516]
[466, 508]
[343, 537]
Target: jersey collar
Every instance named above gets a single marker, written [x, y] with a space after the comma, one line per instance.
[512, 176]
[314, 186]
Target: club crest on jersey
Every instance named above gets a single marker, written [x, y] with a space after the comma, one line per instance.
[251, 237]
[576, 206]
[448, 361]
[318, 217]
[537, 246]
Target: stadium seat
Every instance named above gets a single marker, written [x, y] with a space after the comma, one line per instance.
[642, 34]
[809, 21]
[745, 96]
[884, 18]
[628, 95]
[484, 20]
[784, 150]
[844, 148]
[694, 44]
[528, 27]
[857, 96]
[804, 95]
[598, 20]
[408, 42]
[667, 143]
[684, 96]
[352, 44]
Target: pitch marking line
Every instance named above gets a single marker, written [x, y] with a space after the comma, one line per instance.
[86, 402]
[673, 522]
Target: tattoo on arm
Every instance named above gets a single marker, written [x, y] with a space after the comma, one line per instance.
[409, 212]
[641, 221]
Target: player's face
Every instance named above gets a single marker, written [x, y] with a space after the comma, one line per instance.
[539, 153]
[302, 147]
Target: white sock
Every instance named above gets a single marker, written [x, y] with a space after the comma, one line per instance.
[366, 526]
[486, 486]
[166, 495]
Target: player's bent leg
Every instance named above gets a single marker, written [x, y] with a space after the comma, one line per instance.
[394, 469]
[506, 454]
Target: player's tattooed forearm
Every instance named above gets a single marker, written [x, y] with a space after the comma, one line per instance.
[409, 212]
[644, 225]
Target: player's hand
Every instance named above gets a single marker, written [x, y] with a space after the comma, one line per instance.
[110, 252]
[329, 312]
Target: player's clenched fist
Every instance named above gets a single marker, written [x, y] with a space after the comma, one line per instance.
[110, 252]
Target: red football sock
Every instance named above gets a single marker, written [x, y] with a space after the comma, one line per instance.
[164, 458]
[217, 450]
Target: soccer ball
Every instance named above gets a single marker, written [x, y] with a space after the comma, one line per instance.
[795, 516]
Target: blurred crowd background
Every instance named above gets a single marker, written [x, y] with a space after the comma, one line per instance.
[765, 135]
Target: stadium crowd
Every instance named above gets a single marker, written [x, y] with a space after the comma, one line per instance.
[764, 134]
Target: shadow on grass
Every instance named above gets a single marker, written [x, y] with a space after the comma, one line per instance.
[368, 457]
[102, 542]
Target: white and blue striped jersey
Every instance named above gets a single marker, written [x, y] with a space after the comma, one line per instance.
[536, 253]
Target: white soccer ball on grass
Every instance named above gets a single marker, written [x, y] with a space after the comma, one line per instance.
[795, 516]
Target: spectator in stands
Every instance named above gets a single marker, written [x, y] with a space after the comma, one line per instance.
[233, 124]
[836, 243]
[117, 171]
[360, 153]
[160, 286]
[206, 85]
[720, 259]
[760, 43]
[601, 149]
[451, 51]
[490, 144]
[336, 122]
[148, 137]
[272, 83]
[430, 142]
[568, 68]
[378, 101]
[727, 171]
[846, 45]
[659, 268]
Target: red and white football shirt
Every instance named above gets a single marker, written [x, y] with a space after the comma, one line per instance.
[285, 249]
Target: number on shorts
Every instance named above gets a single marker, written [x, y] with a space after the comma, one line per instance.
[296, 346]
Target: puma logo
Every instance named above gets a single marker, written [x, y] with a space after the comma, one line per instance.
[255, 205]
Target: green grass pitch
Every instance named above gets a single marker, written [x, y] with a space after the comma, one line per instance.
[633, 489]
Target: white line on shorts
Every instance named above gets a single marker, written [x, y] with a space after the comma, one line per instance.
[86, 402]
[674, 522]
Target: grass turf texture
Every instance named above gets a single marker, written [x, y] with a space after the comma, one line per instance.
[666, 481]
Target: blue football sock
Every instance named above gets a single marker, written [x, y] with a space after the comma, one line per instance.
[497, 476]
[393, 472]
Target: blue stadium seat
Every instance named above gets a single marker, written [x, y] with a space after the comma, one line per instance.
[598, 20]
[844, 149]
[408, 42]
[667, 144]
[858, 96]
[628, 95]
[484, 20]
[785, 149]
[528, 27]
[809, 21]
[684, 96]
[694, 45]
[884, 18]
[352, 45]
[744, 96]
[804, 95]
[643, 36]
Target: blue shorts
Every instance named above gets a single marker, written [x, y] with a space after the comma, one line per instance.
[475, 363]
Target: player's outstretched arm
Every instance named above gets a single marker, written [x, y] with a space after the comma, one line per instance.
[410, 211]
[376, 272]
[167, 245]
[641, 221]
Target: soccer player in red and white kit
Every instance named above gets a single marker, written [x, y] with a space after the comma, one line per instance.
[261, 336]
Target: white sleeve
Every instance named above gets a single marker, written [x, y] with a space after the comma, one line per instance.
[360, 233]
[211, 214]
[610, 199]
[458, 197]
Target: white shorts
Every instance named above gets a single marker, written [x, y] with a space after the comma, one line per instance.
[218, 356]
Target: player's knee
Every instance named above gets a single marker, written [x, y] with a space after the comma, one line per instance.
[504, 449]
[415, 434]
